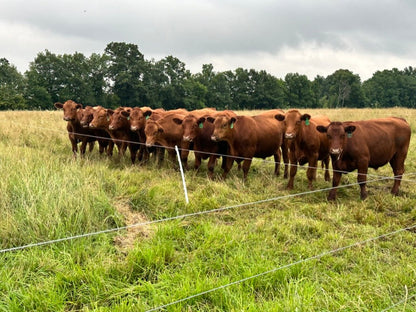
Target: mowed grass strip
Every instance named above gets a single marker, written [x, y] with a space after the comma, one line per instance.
[47, 195]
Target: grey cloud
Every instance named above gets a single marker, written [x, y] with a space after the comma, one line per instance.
[194, 27]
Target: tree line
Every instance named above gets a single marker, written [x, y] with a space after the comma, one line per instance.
[121, 76]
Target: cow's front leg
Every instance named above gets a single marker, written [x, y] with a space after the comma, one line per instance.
[227, 166]
[362, 179]
[336, 178]
[293, 170]
[246, 167]
[311, 173]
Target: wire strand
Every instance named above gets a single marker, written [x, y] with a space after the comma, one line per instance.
[216, 154]
[284, 267]
[177, 217]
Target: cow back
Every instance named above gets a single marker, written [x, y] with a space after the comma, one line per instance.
[378, 139]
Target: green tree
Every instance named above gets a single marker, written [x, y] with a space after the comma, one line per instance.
[11, 87]
[125, 73]
[389, 88]
[298, 91]
[268, 91]
[319, 98]
[52, 78]
[169, 77]
[344, 89]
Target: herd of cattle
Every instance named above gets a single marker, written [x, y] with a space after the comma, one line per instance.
[295, 137]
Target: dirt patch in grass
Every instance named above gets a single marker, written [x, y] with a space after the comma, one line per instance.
[127, 238]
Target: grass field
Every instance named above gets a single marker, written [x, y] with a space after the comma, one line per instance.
[47, 195]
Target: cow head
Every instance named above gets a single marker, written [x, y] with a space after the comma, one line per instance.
[119, 119]
[293, 120]
[100, 118]
[86, 116]
[137, 119]
[337, 134]
[152, 131]
[192, 126]
[223, 127]
[70, 109]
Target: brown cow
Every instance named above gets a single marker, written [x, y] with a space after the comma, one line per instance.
[101, 120]
[165, 132]
[367, 143]
[76, 133]
[248, 137]
[198, 131]
[104, 140]
[119, 129]
[284, 148]
[306, 144]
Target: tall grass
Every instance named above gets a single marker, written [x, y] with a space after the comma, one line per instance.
[46, 195]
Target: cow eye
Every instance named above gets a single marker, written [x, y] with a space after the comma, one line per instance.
[329, 136]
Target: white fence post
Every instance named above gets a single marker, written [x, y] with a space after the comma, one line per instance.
[182, 174]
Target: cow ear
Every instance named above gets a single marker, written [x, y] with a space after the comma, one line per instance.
[211, 119]
[349, 129]
[126, 114]
[279, 117]
[78, 106]
[322, 129]
[58, 105]
[200, 122]
[232, 121]
[110, 111]
[305, 117]
[178, 121]
[147, 114]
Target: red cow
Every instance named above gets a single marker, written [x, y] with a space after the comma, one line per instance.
[284, 148]
[119, 128]
[165, 132]
[198, 132]
[248, 137]
[101, 120]
[76, 133]
[104, 140]
[367, 143]
[306, 144]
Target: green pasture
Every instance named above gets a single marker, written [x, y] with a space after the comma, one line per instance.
[47, 195]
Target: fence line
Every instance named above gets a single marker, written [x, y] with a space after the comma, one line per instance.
[406, 298]
[217, 154]
[285, 266]
[178, 217]
[230, 207]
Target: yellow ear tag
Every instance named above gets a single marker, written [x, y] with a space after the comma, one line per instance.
[349, 135]
[307, 122]
[232, 125]
[201, 125]
[108, 118]
[147, 117]
[128, 118]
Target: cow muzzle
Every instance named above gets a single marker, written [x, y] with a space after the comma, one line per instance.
[134, 128]
[187, 138]
[214, 138]
[290, 135]
[335, 151]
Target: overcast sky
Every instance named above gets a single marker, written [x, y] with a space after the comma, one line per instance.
[311, 37]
